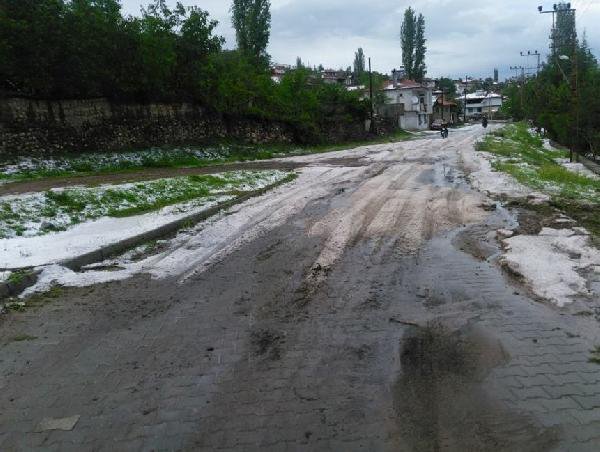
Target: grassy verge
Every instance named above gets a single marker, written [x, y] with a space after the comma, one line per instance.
[522, 155]
[129, 161]
[18, 276]
[40, 213]
[35, 300]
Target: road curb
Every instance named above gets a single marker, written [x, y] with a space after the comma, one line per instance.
[76, 263]
[589, 164]
[105, 252]
[8, 289]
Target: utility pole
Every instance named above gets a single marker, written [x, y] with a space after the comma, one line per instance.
[528, 54]
[522, 84]
[516, 69]
[553, 12]
[465, 104]
[442, 105]
[371, 97]
[575, 88]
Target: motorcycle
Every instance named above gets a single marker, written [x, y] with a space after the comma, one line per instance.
[444, 132]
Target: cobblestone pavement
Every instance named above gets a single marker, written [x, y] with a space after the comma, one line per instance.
[389, 348]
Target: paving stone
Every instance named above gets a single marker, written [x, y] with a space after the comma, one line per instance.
[588, 432]
[556, 392]
[535, 392]
[588, 402]
[536, 380]
[585, 416]
[141, 349]
[564, 403]
[567, 378]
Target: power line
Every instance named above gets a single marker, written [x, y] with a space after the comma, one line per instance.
[528, 54]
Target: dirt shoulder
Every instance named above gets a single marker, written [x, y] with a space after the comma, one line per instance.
[16, 188]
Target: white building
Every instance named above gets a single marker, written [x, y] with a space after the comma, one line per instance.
[481, 104]
[408, 102]
[278, 71]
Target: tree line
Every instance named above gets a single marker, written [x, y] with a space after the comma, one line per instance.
[74, 49]
[564, 98]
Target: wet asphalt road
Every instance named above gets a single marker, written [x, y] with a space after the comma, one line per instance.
[373, 318]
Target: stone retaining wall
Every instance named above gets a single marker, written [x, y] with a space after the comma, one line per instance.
[30, 126]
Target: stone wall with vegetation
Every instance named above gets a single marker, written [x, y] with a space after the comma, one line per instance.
[29, 126]
[45, 127]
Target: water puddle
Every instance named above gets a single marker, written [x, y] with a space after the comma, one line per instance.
[440, 401]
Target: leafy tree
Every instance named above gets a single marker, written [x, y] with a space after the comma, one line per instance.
[549, 101]
[412, 40]
[564, 35]
[448, 86]
[57, 49]
[420, 69]
[252, 23]
[408, 33]
[33, 40]
[195, 45]
[359, 64]
[378, 80]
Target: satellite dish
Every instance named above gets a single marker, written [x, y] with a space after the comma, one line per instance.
[415, 100]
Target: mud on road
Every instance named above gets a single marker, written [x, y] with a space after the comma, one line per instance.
[359, 308]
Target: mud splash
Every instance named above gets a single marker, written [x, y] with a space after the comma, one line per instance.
[439, 400]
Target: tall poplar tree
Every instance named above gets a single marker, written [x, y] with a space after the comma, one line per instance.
[420, 69]
[252, 22]
[412, 40]
[407, 41]
[359, 64]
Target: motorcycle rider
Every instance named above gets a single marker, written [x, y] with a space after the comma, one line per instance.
[444, 131]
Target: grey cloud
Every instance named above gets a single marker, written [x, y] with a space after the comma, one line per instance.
[464, 36]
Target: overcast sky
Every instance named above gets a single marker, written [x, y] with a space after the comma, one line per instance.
[464, 36]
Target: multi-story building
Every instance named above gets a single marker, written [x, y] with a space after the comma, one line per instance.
[409, 103]
[481, 103]
[278, 71]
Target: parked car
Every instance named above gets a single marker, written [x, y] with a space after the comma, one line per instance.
[438, 124]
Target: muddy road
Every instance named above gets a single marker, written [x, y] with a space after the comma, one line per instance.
[359, 308]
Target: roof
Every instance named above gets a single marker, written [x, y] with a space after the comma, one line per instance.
[356, 88]
[483, 95]
[402, 84]
[447, 102]
[409, 84]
